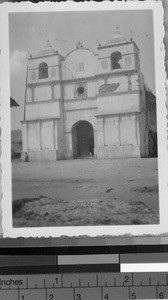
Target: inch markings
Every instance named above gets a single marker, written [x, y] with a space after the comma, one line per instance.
[82, 286]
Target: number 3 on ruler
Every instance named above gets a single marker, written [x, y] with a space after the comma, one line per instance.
[78, 297]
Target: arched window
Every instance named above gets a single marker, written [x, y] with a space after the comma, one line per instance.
[115, 58]
[43, 70]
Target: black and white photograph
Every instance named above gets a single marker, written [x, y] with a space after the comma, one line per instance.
[87, 118]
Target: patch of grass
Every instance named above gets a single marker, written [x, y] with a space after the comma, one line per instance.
[43, 211]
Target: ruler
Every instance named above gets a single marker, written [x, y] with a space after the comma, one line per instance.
[84, 286]
[84, 274]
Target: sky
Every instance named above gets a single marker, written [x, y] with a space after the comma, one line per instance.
[29, 32]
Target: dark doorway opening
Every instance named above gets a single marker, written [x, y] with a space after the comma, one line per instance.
[82, 139]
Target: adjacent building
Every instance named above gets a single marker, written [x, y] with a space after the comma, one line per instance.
[87, 104]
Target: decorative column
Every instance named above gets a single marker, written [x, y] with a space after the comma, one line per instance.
[27, 134]
[101, 131]
[39, 135]
[95, 142]
[54, 144]
[119, 128]
[105, 79]
[129, 82]
[137, 128]
[52, 91]
[32, 92]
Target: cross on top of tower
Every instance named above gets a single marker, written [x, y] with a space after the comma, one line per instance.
[48, 45]
[79, 45]
[117, 38]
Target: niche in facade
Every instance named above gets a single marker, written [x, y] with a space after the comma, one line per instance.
[43, 70]
[80, 90]
[115, 58]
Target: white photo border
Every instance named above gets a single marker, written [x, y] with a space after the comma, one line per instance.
[160, 81]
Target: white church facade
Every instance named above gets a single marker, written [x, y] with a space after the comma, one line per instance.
[86, 104]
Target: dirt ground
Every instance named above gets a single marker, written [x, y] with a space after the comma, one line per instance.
[85, 192]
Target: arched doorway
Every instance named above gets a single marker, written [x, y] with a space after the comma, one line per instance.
[82, 139]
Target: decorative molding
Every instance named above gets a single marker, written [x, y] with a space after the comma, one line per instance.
[78, 80]
[31, 85]
[119, 93]
[53, 72]
[43, 56]
[117, 45]
[82, 85]
[108, 88]
[102, 115]
[123, 54]
[31, 69]
[79, 109]
[70, 132]
[105, 64]
[33, 75]
[32, 94]
[129, 82]
[80, 99]
[45, 101]
[52, 92]
[83, 48]
[40, 120]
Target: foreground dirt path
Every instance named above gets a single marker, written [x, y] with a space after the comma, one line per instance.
[85, 191]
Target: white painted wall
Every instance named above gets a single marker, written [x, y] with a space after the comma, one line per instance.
[28, 95]
[53, 63]
[128, 130]
[92, 88]
[124, 49]
[57, 91]
[119, 79]
[71, 117]
[42, 110]
[56, 134]
[47, 135]
[50, 60]
[70, 89]
[53, 74]
[134, 82]
[111, 131]
[128, 62]
[70, 67]
[42, 93]
[80, 104]
[34, 136]
[118, 103]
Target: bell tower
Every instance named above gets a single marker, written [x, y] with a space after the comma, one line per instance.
[43, 118]
[121, 100]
